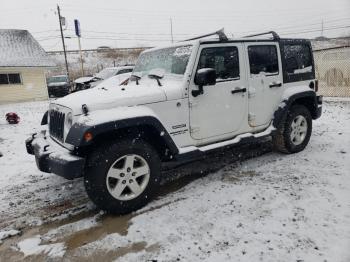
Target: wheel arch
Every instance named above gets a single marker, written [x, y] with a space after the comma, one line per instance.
[148, 128]
[306, 98]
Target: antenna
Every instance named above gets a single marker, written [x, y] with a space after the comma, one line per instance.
[220, 33]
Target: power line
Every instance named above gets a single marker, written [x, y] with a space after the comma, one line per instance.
[96, 34]
[114, 36]
[296, 26]
[178, 39]
[316, 30]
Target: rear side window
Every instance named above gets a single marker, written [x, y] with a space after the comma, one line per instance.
[263, 59]
[298, 59]
[223, 59]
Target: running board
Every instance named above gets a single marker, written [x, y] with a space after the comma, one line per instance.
[233, 141]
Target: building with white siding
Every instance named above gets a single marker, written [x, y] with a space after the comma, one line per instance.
[23, 63]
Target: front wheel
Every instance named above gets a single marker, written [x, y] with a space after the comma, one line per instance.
[122, 177]
[294, 134]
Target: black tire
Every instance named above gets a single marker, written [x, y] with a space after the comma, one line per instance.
[282, 139]
[100, 161]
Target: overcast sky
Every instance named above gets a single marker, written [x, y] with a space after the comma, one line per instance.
[133, 23]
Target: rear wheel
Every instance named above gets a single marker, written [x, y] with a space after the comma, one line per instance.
[122, 177]
[294, 134]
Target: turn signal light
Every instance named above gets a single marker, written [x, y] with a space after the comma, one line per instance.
[87, 136]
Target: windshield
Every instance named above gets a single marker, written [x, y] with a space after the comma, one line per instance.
[106, 73]
[170, 60]
[57, 79]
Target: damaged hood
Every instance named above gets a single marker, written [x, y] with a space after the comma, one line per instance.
[83, 79]
[109, 97]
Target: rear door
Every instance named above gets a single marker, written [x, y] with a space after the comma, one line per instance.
[265, 80]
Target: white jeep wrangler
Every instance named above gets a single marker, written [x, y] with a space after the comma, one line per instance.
[181, 101]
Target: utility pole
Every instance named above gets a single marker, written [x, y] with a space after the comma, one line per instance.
[322, 28]
[81, 58]
[78, 34]
[171, 30]
[64, 45]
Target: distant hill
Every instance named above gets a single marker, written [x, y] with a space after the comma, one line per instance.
[323, 43]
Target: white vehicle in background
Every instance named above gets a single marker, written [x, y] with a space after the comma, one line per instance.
[181, 102]
[115, 81]
[87, 82]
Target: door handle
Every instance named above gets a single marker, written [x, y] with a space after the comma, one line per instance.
[241, 90]
[275, 84]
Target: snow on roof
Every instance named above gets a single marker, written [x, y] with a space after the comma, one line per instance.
[18, 48]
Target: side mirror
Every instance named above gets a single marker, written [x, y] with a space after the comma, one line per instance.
[204, 77]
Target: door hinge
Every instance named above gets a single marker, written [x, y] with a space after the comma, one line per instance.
[194, 129]
[251, 119]
[251, 92]
[192, 104]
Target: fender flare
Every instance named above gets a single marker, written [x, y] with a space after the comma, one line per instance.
[285, 105]
[75, 135]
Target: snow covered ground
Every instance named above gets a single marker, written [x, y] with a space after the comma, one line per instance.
[244, 204]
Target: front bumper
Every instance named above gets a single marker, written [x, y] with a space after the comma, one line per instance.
[52, 158]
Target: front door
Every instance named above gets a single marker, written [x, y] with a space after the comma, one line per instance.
[222, 108]
[265, 81]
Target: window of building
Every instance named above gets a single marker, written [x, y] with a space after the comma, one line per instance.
[223, 59]
[10, 79]
[263, 59]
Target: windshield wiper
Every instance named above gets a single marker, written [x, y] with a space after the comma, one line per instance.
[156, 77]
[136, 77]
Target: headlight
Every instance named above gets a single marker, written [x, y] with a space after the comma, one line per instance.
[68, 123]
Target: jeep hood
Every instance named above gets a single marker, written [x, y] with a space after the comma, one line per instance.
[106, 98]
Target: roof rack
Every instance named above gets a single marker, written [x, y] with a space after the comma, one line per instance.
[220, 33]
[274, 34]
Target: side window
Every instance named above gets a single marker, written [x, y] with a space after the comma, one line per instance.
[298, 59]
[223, 59]
[263, 58]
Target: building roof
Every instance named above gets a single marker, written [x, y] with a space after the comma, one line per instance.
[18, 48]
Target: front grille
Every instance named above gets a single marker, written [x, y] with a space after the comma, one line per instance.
[56, 126]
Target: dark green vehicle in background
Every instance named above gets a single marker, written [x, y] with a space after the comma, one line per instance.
[58, 86]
